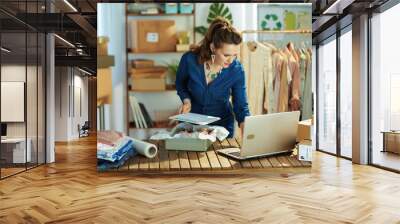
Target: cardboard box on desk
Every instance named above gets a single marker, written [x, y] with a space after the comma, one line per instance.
[187, 144]
[152, 36]
[304, 130]
[304, 150]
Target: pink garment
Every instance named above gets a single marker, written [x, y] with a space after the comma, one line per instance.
[277, 60]
[294, 88]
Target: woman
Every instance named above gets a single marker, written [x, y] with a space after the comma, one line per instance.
[210, 73]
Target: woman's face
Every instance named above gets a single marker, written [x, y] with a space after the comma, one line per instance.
[225, 55]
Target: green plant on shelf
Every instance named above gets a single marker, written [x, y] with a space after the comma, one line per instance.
[216, 10]
[172, 69]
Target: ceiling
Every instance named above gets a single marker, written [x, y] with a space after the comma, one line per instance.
[73, 20]
[328, 16]
[76, 22]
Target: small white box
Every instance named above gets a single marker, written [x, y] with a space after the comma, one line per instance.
[305, 151]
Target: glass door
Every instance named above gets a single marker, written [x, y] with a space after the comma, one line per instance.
[346, 93]
[326, 96]
[385, 90]
[22, 77]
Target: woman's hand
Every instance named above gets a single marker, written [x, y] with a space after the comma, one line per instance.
[185, 107]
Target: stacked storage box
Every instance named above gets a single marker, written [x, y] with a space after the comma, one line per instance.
[147, 77]
[150, 36]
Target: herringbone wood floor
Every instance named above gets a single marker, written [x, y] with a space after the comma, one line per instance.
[71, 191]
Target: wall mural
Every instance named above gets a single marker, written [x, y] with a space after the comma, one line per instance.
[277, 17]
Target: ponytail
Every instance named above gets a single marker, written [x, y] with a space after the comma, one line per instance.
[220, 32]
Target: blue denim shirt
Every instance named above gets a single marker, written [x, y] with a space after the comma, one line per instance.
[213, 99]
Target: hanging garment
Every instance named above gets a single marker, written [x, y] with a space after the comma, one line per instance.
[283, 98]
[270, 103]
[294, 88]
[278, 63]
[302, 68]
[258, 64]
[307, 93]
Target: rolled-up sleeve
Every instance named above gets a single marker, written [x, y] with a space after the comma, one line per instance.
[239, 97]
[182, 77]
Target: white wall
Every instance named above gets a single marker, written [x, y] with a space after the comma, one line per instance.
[67, 114]
[244, 15]
[61, 103]
[16, 73]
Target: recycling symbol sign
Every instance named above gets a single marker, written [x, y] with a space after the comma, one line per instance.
[271, 22]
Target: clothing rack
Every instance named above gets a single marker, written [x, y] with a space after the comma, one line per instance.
[259, 102]
[278, 31]
[289, 38]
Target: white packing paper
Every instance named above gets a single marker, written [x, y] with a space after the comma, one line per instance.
[144, 148]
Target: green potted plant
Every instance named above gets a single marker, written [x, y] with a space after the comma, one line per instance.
[216, 9]
[172, 70]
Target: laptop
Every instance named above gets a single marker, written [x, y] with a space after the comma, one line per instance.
[266, 135]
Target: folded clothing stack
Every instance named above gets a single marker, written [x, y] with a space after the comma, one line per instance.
[114, 156]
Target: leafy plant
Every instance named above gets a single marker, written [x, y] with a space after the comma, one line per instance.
[215, 10]
[173, 69]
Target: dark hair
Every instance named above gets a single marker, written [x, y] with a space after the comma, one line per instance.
[220, 32]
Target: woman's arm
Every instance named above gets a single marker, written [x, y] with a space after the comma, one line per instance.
[239, 99]
[181, 82]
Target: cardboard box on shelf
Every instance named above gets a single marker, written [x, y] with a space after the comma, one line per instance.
[104, 86]
[154, 69]
[147, 36]
[102, 44]
[304, 130]
[105, 61]
[149, 81]
[304, 150]
[142, 63]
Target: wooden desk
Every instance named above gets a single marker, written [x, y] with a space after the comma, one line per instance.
[210, 162]
[18, 151]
